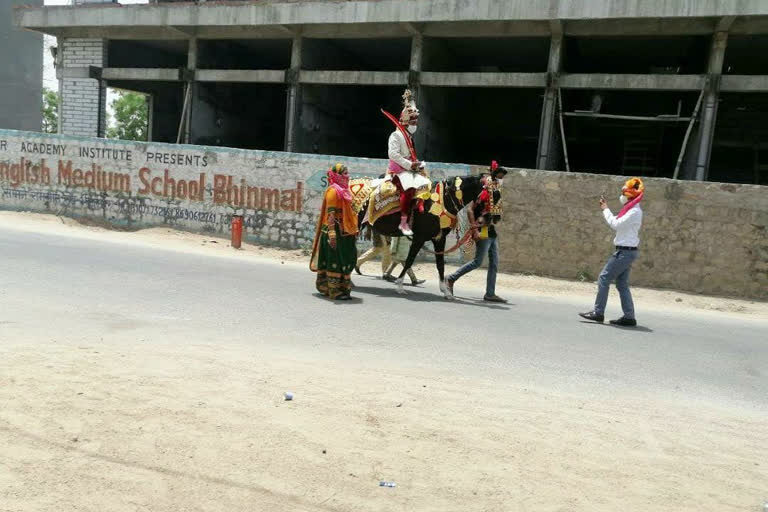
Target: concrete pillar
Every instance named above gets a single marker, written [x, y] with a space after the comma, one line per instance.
[417, 48]
[710, 101]
[414, 83]
[547, 149]
[293, 97]
[83, 109]
[191, 66]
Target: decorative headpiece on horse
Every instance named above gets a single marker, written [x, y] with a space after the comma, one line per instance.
[410, 111]
[494, 197]
[496, 170]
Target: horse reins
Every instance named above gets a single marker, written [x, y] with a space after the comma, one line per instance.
[463, 239]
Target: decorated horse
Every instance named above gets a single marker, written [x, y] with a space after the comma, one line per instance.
[433, 216]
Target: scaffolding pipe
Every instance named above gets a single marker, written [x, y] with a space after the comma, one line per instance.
[661, 118]
[562, 129]
[687, 135]
[183, 112]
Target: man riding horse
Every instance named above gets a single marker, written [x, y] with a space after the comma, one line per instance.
[405, 170]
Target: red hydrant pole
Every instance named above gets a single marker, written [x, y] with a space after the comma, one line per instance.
[237, 231]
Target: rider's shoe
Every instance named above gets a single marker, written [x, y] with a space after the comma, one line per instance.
[405, 228]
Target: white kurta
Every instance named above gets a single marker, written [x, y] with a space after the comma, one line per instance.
[398, 152]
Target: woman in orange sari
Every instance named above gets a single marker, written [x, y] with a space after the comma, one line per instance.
[334, 253]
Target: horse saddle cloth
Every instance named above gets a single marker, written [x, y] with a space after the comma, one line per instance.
[385, 200]
[361, 189]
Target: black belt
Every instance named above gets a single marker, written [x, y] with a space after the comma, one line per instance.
[623, 248]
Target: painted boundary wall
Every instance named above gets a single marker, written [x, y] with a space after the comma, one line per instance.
[195, 188]
[697, 236]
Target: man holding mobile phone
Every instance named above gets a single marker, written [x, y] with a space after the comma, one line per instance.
[627, 225]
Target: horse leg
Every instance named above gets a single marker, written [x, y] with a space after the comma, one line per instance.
[416, 246]
[439, 246]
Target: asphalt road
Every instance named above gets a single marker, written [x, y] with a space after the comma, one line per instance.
[57, 286]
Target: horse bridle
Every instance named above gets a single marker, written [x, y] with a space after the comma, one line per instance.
[453, 197]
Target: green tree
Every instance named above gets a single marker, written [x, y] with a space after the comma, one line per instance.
[130, 119]
[50, 111]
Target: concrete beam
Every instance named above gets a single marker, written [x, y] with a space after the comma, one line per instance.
[354, 77]
[184, 31]
[640, 27]
[514, 28]
[435, 79]
[724, 23]
[556, 29]
[632, 81]
[124, 33]
[744, 83]
[245, 32]
[381, 11]
[749, 26]
[414, 29]
[148, 74]
[265, 76]
[358, 30]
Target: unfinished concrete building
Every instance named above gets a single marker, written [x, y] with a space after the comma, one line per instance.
[21, 83]
[655, 88]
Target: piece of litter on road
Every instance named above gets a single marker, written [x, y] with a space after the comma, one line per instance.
[678, 299]
[399, 405]
[288, 395]
[387, 484]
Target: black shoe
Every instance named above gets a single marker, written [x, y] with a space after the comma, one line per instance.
[494, 298]
[357, 269]
[418, 282]
[626, 322]
[345, 296]
[592, 316]
[389, 277]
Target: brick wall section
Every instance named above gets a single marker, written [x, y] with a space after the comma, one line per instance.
[82, 100]
[703, 237]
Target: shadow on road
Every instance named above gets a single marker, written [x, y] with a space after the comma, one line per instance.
[418, 296]
[639, 328]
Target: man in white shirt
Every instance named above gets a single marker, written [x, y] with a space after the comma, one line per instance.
[627, 226]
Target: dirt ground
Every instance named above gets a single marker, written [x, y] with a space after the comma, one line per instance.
[127, 425]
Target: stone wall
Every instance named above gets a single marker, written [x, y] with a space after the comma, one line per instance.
[702, 237]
